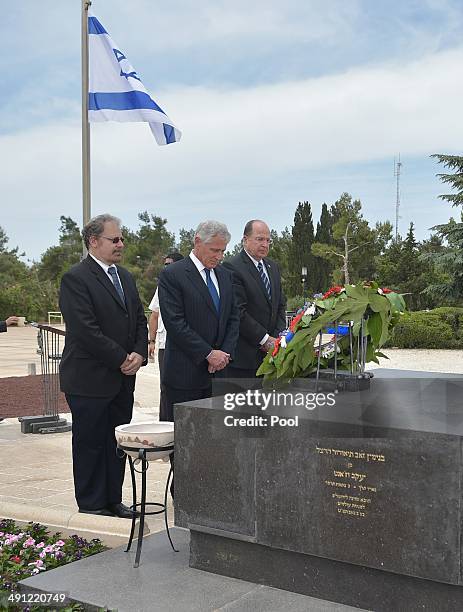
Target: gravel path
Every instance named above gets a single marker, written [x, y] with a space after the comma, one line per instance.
[428, 360]
[25, 396]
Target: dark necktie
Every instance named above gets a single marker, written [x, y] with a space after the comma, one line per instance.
[265, 279]
[116, 282]
[212, 290]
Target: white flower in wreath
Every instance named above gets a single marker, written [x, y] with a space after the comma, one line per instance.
[329, 351]
[310, 310]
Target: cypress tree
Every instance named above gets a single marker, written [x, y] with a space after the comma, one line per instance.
[300, 253]
[324, 234]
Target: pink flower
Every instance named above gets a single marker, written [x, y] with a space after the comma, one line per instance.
[38, 565]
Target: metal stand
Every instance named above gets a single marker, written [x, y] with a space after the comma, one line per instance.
[50, 341]
[142, 453]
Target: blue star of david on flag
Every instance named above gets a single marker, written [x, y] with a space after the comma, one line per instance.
[116, 92]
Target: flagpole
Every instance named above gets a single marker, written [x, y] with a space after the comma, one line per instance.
[86, 200]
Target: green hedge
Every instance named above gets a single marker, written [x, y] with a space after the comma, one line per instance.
[295, 302]
[429, 329]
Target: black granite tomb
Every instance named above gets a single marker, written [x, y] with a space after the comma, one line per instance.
[358, 502]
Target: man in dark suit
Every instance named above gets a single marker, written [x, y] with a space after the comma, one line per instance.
[257, 284]
[106, 343]
[200, 315]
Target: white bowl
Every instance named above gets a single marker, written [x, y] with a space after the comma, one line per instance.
[146, 435]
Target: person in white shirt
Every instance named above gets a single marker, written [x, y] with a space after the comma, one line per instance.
[157, 337]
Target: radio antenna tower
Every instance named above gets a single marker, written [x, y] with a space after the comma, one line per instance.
[397, 167]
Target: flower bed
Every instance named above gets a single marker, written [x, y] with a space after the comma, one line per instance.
[31, 549]
[360, 316]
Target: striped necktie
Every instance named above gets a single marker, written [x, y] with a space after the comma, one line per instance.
[212, 290]
[265, 279]
[116, 282]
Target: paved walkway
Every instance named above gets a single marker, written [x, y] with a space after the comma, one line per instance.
[36, 470]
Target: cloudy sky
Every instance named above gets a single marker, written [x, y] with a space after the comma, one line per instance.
[278, 102]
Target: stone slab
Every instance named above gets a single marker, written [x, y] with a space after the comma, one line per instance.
[354, 585]
[392, 502]
[374, 480]
[163, 581]
[267, 599]
[223, 467]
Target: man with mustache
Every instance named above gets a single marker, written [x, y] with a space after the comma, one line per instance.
[106, 343]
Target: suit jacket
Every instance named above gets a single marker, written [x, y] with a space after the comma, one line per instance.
[193, 325]
[100, 330]
[258, 314]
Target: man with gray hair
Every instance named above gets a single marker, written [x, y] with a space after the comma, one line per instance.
[200, 315]
[106, 343]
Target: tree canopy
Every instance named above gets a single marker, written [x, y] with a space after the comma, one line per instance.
[343, 247]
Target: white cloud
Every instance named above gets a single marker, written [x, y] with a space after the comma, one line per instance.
[362, 114]
[183, 23]
[237, 143]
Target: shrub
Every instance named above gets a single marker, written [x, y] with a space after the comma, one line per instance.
[441, 328]
[295, 302]
[28, 550]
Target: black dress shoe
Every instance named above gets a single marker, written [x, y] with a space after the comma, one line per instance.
[122, 511]
[99, 512]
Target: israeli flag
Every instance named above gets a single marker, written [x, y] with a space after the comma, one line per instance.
[116, 92]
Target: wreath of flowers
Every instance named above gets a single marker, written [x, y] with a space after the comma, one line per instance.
[364, 309]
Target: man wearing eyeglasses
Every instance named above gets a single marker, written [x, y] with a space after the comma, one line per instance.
[262, 304]
[106, 343]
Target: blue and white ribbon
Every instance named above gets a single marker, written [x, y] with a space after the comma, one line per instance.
[116, 92]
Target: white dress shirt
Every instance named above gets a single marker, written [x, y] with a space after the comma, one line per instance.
[105, 268]
[161, 333]
[201, 269]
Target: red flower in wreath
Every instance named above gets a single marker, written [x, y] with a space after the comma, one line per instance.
[276, 346]
[295, 321]
[386, 290]
[336, 290]
[16, 559]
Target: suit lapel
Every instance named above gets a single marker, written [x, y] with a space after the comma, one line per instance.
[195, 277]
[104, 279]
[224, 289]
[126, 289]
[255, 273]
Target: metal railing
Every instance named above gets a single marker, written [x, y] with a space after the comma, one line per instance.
[290, 314]
[50, 342]
[55, 314]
